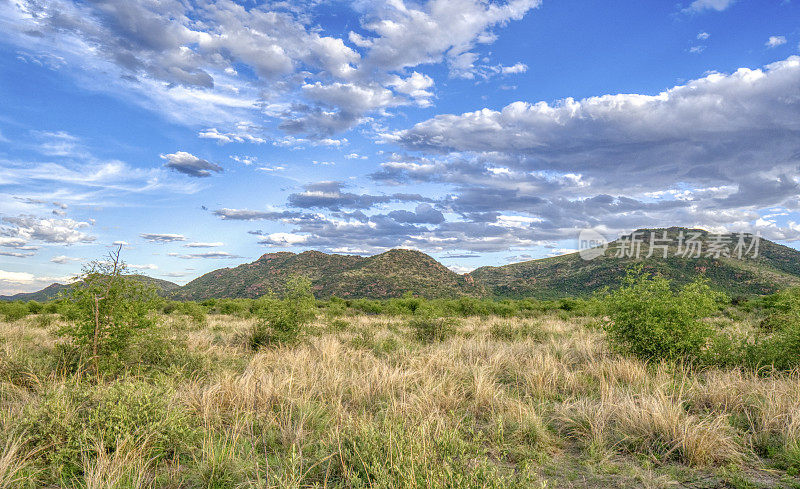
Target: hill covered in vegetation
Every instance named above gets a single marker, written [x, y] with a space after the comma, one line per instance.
[390, 274]
[773, 267]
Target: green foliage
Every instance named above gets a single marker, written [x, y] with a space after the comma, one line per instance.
[774, 344]
[196, 312]
[649, 320]
[283, 321]
[34, 307]
[110, 311]
[507, 331]
[430, 329]
[12, 311]
[70, 419]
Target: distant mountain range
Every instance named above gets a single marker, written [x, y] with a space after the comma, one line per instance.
[397, 272]
[163, 287]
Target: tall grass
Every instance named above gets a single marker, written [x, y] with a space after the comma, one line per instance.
[494, 402]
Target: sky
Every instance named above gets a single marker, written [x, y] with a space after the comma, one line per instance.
[203, 134]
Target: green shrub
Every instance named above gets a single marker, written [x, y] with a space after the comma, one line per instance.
[70, 419]
[283, 321]
[12, 311]
[429, 329]
[194, 311]
[34, 307]
[649, 320]
[774, 344]
[233, 307]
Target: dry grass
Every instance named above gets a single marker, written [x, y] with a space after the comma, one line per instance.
[515, 405]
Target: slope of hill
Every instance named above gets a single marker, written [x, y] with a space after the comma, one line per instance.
[389, 274]
[163, 287]
[775, 267]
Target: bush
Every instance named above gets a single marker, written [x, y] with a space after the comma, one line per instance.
[775, 344]
[195, 311]
[12, 311]
[70, 419]
[646, 318]
[429, 329]
[35, 307]
[282, 321]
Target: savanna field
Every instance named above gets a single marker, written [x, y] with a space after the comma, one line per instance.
[648, 386]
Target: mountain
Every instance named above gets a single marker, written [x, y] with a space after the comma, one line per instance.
[775, 267]
[163, 287]
[389, 274]
[396, 272]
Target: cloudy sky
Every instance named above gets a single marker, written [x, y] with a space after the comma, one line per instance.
[203, 134]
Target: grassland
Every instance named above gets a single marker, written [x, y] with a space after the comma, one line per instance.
[365, 401]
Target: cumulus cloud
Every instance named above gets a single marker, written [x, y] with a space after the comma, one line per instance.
[189, 164]
[184, 60]
[162, 237]
[23, 229]
[423, 214]
[407, 35]
[16, 282]
[718, 129]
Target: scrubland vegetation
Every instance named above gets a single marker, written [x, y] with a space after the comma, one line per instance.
[646, 386]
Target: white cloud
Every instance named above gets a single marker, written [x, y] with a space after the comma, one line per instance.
[162, 237]
[702, 36]
[514, 69]
[407, 35]
[183, 60]
[208, 254]
[19, 277]
[63, 259]
[229, 137]
[47, 230]
[203, 245]
[246, 160]
[775, 41]
[284, 239]
[701, 5]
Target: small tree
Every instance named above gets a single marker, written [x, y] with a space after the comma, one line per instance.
[646, 318]
[110, 309]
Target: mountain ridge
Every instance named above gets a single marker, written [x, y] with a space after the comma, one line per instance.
[396, 272]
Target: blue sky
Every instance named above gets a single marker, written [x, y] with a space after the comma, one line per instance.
[204, 134]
